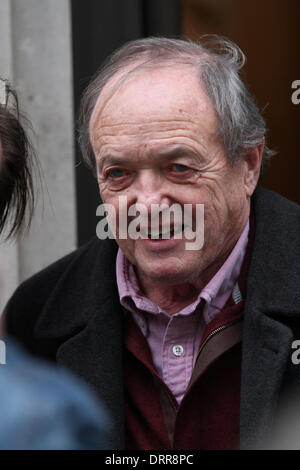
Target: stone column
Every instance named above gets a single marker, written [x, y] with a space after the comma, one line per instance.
[35, 54]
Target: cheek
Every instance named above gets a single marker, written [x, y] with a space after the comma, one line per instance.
[104, 193]
[221, 204]
[210, 194]
[225, 192]
[108, 196]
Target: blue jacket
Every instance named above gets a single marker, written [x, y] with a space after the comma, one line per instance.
[45, 407]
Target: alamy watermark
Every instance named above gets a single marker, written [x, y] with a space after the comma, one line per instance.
[295, 357]
[163, 222]
[2, 352]
[296, 94]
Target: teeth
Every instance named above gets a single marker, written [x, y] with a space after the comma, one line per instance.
[174, 231]
[159, 233]
[144, 232]
[177, 229]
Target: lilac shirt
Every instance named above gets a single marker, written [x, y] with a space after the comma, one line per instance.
[174, 339]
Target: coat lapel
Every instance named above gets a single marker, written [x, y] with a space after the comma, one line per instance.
[266, 351]
[272, 299]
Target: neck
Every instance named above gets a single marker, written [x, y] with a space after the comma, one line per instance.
[172, 298]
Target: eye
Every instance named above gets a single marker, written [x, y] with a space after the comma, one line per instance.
[180, 173]
[179, 168]
[116, 173]
[117, 178]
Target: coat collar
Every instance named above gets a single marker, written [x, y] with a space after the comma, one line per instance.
[275, 256]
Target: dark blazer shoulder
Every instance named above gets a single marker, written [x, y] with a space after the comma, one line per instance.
[30, 298]
[274, 274]
[269, 202]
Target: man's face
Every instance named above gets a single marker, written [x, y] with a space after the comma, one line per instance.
[156, 142]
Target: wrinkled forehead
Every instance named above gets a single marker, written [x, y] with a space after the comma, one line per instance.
[140, 71]
[151, 90]
[116, 82]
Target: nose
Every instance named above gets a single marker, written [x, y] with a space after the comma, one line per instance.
[150, 189]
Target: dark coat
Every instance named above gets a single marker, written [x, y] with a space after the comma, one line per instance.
[70, 313]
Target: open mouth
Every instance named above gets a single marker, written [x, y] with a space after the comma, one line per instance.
[161, 233]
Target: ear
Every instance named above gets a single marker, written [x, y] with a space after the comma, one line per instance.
[253, 159]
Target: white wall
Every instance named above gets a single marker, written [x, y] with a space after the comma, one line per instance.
[36, 55]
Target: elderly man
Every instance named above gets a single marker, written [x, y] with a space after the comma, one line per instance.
[189, 348]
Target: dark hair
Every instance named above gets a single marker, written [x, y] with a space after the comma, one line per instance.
[16, 155]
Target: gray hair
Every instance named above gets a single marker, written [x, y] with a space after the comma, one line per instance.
[216, 61]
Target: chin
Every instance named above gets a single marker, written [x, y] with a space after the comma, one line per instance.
[170, 272]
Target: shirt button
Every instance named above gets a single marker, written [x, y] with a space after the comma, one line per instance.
[177, 350]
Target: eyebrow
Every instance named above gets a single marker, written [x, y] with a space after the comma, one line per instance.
[169, 154]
